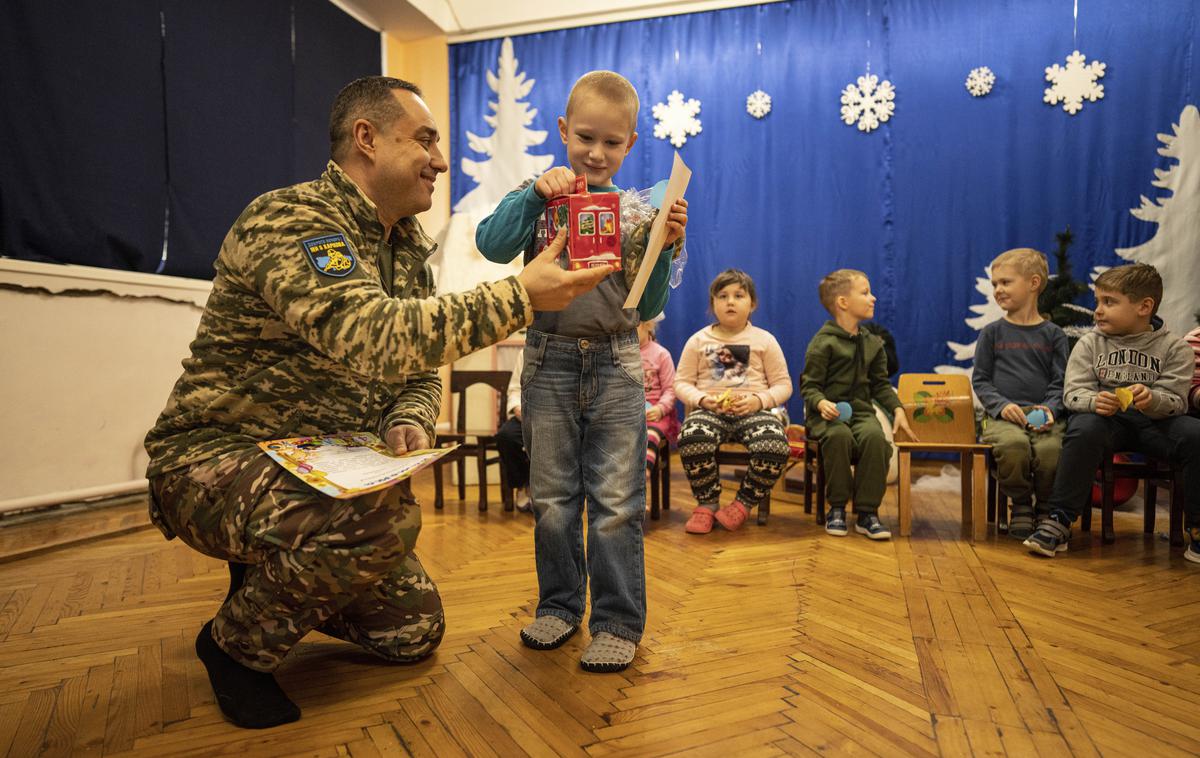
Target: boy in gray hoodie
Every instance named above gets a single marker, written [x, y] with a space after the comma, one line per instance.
[1126, 385]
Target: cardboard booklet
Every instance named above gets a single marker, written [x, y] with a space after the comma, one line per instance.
[348, 465]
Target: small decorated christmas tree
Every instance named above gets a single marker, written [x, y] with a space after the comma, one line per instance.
[1057, 301]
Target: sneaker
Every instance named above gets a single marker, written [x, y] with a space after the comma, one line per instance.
[700, 522]
[1192, 553]
[835, 522]
[524, 503]
[870, 525]
[1050, 537]
[1022, 522]
[732, 516]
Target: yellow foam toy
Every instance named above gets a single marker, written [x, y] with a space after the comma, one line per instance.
[1124, 397]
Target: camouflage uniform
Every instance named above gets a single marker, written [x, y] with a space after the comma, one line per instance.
[317, 323]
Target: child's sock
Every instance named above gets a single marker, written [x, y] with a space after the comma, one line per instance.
[251, 699]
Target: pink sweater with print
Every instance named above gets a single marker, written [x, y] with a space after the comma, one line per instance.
[659, 370]
[748, 362]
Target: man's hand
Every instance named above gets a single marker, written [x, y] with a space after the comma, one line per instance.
[406, 437]
[1141, 396]
[900, 424]
[1107, 404]
[676, 221]
[552, 289]
[557, 181]
[653, 413]
[1013, 414]
[828, 410]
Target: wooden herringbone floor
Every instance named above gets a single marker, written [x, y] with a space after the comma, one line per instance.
[775, 640]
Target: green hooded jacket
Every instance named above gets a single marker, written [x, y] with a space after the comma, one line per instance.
[841, 366]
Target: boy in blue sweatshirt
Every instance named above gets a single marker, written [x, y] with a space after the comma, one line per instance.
[582, 396]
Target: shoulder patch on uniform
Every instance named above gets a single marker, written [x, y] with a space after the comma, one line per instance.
[330, 254]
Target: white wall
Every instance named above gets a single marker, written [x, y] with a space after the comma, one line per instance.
[88, 358]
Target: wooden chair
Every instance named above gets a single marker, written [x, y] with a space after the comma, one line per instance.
[941, 413]
[733, 454]
[478, 444]
[660, 481]
[1156, 473]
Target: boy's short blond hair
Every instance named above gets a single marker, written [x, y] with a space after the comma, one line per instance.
[836, 284]
[1135, 281]
[609, 85]
[1028, 263]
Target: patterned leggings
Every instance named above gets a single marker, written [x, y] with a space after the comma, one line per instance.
[704, 431]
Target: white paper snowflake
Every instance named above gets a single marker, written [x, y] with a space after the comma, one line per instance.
[758, 104]
[1072, 84]
[870, 103]
[676, 118]
[980, 81]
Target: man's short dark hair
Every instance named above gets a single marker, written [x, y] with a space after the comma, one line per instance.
[369, 97]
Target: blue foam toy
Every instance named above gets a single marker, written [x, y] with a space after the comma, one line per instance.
[1036, 418]
[657, 193]
[844, 411]
[649, 405]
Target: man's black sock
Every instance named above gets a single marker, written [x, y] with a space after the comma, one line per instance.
[251, 699]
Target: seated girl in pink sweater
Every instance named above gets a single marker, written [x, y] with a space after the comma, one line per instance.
[731, 374]
[662, 422]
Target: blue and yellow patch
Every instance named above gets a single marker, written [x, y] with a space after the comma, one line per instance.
[330, 254]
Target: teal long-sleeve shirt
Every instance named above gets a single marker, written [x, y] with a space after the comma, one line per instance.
[509, 231]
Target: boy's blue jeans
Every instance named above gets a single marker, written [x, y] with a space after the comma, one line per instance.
[1090, 437]
[583, 404]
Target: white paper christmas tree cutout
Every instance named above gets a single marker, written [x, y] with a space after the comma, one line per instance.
[869, 103]
[676, 118]
[758, 104]
[980, 81]
[1074, 83]
[509, 163]
[1175, 247]
[458, 264]
[985, 313]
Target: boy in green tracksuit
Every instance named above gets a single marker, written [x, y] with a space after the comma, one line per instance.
[846, 364]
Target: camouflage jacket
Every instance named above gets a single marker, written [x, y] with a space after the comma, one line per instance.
[318, 323]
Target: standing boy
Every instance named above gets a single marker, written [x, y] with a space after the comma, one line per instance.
[846, 364]
[1126, 385]
[583, 399]
[1018, 377]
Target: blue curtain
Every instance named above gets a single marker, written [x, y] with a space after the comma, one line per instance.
[130, 120]
[923, 203]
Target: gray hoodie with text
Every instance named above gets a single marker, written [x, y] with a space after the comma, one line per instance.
[1157, 359]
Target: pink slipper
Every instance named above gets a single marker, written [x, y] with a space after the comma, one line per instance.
[733, 515]
[700, 522]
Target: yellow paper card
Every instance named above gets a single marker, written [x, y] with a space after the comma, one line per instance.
[1124, 397]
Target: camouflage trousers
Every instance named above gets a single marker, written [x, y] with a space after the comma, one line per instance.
[346, 567]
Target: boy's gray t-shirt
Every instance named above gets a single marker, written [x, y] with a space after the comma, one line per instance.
[1020, 364]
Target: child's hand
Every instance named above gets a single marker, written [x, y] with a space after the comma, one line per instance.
[654, 413]
[828, 410]
[1013, 414]
[1141, 396]
[744, 405]
[1049, 418]
[676, 221]
[405, 437]
[1107, 404]
[559, 180]
[710, 403]
[900, 425]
